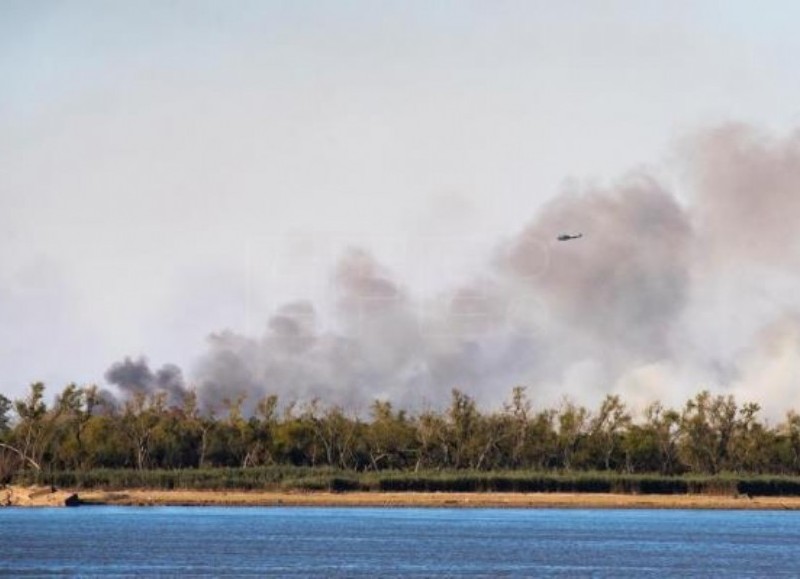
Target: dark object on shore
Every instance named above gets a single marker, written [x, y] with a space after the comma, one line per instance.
[72, 501]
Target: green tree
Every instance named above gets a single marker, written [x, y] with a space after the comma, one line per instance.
[9, 456]
[106, 442]
[432, 441]
[295, 438]
[572, 430]
[518, 411]
[390, 438]
[5, 417]
[231, 438]
[263, 427]
[336, 433]
[463, 422]
[139, 417]
[487, 449]
[751, 445]
[787, 444]
[707, 428]
[607, 428]
[33, 432]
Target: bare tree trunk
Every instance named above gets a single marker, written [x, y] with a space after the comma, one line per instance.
[21, 455]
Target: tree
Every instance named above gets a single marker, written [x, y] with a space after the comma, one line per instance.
[196, 429]
[607, 428]
[390, 440]
[231, 437]
[486, 450]
[262, 427]
[787, 443]
[432, 441]
[83, 428]
[139, 418]
[463, 419]
[750, 442]
[707, 428]
[572, 422]
[653, 445]
[517, 411]
[5, 416]
[9, 456]
[72, 415]
[295, 439]
[34, 428]
[336, 432]
[542, 446]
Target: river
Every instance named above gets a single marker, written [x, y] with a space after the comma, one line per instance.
[399, 542]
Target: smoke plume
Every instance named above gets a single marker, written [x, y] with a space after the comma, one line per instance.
[626, 285]
[134, 378]
[746, 196]
[667, 292]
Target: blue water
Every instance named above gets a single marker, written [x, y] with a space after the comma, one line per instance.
[380, 542]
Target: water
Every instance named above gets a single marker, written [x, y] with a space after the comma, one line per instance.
[380, 542]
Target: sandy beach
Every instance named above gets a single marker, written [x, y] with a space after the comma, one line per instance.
[37, 496]
[46, 497]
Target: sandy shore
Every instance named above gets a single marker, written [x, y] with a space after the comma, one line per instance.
[517, 500]
[46, 497]
[39, 496]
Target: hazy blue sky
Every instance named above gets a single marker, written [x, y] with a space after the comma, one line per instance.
[155, 156]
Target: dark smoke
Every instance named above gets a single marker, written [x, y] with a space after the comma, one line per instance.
[134, 378]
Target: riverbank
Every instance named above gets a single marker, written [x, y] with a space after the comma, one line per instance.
[36, 496]
[414, 499]
[47, 497]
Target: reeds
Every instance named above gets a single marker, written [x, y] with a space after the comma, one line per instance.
[291, 478]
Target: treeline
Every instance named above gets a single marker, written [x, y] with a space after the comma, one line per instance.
[82, 431]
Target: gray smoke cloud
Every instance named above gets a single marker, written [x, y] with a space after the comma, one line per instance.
[384, 345]
[626, 285]
[135, 378]
[771, 366]
[664, 295]
[746, 200]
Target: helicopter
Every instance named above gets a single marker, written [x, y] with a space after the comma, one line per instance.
[568, 236]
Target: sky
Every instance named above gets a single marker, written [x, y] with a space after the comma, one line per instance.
[175, 170]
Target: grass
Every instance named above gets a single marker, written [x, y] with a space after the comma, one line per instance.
[285, 478]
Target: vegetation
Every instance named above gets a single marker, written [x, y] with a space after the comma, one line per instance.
[710, 445]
